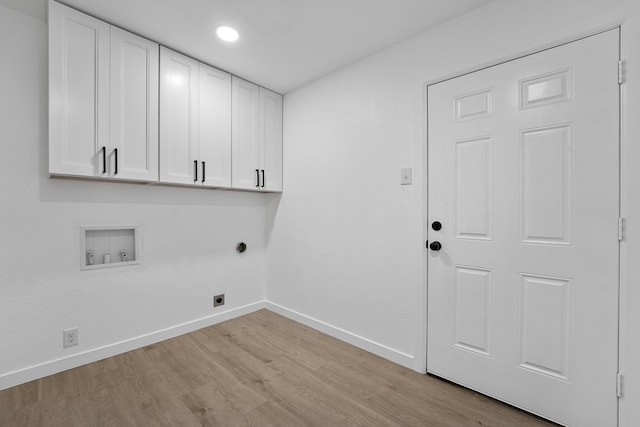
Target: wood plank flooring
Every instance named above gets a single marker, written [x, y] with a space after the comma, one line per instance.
[260, 370]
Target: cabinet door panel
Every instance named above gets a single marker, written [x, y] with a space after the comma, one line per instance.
[78, 92]
[178, 117]
[214, 141]
[271, 138]
[245, 120]
[134, 107]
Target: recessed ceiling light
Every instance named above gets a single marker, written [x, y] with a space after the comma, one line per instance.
[227, 34]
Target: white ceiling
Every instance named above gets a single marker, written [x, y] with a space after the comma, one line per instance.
[283, 43]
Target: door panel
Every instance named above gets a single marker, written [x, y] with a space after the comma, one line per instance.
[473, 186]
[544, 320]
[546, 175]
[524, 176]
[472, 323]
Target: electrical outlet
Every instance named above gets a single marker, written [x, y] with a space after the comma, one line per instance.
[218, 300]
[69, 337]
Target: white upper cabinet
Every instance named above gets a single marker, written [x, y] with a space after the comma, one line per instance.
[121, 107]
[214, 126]
[178, 118]
[271, 139]
[195, 122]
[257, 137]
[134, 107]
[78, 92]
[246, 148]
[103, 104]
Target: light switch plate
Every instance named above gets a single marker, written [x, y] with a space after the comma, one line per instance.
[405, 176]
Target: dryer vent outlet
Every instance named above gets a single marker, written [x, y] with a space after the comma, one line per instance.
[218, 300]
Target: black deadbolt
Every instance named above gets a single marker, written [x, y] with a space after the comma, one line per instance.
[241, 247]
[435, 246]
[436, 225]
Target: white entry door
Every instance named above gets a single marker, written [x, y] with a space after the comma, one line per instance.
[524, 181]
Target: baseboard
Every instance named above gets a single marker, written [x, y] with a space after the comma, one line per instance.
[388, 353]
[35, 372]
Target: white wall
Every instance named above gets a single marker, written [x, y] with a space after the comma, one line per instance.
[345, 253]
[188, 238]
[344, 241]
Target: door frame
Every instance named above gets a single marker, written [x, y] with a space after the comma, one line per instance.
[622, 180]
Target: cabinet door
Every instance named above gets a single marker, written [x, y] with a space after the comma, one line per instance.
[133, 151]
[78, 92]
[271, 139]
[246, 149]
[214, 141]
[178, 118]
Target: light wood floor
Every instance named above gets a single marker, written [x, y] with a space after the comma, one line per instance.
[260, 369]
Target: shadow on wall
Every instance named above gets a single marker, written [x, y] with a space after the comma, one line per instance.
[272, 205]
[73, 190]
[35, 8]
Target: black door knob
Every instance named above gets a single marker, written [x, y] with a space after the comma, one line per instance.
[435, 246]
[436, 225]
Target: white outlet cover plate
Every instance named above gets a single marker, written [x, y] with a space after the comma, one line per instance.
[405, 176]
[69, 337]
